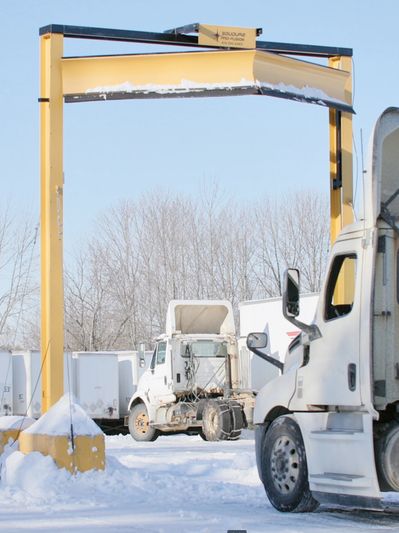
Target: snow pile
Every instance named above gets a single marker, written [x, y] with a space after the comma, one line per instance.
[58, 419]
[178, 483]
[15, 422]
[35, 474]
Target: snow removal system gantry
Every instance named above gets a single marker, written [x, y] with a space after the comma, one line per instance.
[222, 61]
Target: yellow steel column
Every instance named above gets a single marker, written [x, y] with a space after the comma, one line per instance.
[51, 222]
[341, 198]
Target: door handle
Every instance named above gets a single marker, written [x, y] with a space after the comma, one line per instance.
[164, 380]
[352, 376]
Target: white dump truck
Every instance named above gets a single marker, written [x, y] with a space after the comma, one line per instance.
[327, 428]
[193, 383]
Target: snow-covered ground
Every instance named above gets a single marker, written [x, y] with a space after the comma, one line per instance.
[176, 484]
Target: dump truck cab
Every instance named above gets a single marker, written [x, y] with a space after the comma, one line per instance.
[193, 370]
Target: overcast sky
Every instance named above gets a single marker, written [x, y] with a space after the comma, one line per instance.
[251, 146]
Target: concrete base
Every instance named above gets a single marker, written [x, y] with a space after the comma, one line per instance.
[51, 435]
[89, 452]
[11, 427]
[8, 436]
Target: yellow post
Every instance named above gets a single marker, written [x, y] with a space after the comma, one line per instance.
[341, 198]
[341, 195]
[51, 224]
[88, 452]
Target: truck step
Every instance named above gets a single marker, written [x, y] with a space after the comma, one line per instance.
[335, 479]
[336, 476]
[337, 434]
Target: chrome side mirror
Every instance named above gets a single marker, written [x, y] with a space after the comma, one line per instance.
[257, 340]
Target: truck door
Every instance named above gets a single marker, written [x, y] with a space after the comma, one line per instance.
[330, 374]
[160, 384]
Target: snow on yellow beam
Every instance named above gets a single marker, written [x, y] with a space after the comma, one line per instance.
[215, 73]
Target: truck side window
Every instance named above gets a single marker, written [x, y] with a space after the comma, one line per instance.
[153, 359]
[339, 295]
[161, 353]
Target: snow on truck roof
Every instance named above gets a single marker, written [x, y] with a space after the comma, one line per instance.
[198, 317]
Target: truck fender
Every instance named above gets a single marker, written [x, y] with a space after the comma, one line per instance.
[138, 398]
[277, 393]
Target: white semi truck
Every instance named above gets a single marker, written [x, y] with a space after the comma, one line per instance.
[327, 428]
[193, 383]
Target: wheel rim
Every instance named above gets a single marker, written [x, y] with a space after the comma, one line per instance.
[284, 465]
[391, 462]
[141, 423]
[214, 419]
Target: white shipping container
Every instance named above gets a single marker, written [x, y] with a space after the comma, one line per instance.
[267, 316]
[27, 382]
[5, 383]
[96, 383]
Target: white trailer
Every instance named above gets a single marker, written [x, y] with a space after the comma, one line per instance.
[327, 429]
[6, 394]
[26, 378]
[266, 316]
[26, 383]
[193, 382]
[95, 383]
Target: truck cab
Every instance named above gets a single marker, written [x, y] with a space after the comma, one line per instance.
[327, 429]
[192, 383]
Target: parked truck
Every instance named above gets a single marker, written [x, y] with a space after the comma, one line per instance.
[193, 383]
[327, 428]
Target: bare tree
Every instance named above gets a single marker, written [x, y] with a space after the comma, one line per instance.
[164, 247]
[291, 232]
[18, 263]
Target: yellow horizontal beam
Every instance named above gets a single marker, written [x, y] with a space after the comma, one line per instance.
[203, 74]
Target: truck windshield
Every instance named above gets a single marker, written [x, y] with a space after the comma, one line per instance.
[204, 348]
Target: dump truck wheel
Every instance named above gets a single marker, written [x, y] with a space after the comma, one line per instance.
[202, 435]
[284, 468]
[237, 420]
[216, 420]
[387, 458]
[139, 427]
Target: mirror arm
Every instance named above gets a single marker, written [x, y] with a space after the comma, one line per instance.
[312, 330]
[267, 358]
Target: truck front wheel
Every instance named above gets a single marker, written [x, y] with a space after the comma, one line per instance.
[284, 468]
[139, 427]
[387, 457]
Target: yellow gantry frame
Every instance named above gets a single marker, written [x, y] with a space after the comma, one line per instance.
[161, 75]
[51, 221]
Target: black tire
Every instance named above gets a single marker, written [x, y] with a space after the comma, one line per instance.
[387, 457]
[284, 468]
[237, 420]
[139, 427]
[202, 435]
[216, 420]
